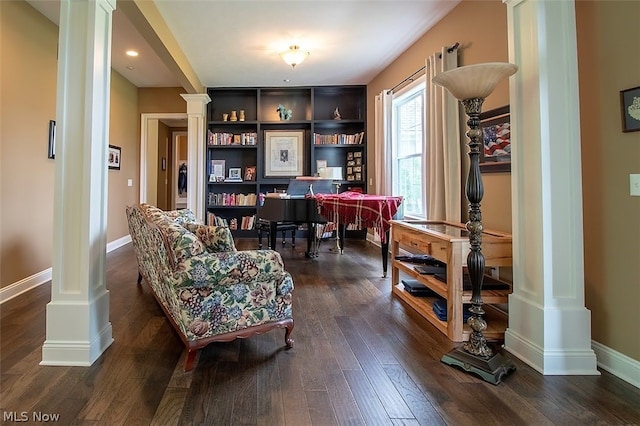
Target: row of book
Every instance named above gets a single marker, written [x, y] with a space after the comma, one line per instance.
[232, 199]
[246, 222]
[247, 138]
[338, 139]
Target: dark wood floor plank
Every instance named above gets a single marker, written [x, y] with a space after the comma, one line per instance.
[393, 403]
[320, 409]
[354, 342]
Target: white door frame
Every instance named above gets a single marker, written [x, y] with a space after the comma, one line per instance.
[145, 130]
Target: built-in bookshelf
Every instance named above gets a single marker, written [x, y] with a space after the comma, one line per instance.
[330, 120]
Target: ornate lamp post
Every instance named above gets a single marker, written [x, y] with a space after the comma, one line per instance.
[471, 85]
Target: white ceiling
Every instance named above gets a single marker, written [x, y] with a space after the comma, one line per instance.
[236, 42]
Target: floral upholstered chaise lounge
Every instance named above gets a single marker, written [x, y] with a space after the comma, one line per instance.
[208, 290]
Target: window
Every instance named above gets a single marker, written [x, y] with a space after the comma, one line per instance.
[408, 140]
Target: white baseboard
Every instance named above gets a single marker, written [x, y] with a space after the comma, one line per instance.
[618, 364]
[26, 284]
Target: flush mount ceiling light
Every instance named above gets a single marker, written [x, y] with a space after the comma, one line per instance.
[294, 55]
[132, 53]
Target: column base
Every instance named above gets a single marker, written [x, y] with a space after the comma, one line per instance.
[491, 369]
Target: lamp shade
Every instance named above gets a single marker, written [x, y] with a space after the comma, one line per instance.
[474, 81]
[294, 55]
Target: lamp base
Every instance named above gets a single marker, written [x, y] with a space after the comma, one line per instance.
[491, 369]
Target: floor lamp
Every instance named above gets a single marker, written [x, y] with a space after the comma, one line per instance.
[471, 85]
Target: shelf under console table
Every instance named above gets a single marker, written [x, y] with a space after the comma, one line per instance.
[448, 242]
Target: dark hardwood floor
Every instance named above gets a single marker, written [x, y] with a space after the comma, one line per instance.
[360, 357]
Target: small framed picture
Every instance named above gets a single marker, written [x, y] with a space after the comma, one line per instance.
[357, 154]
[358, 161]
[630, 104]
[250, 173]
[52, 139]
[114, 157]
[358, 176]
[349, 170]
[350, 178]
[235, 173]
[349, 155]
[351, 163]
[357, 169]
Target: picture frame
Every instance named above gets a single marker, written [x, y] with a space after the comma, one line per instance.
[495, 152]
[52, 139]
[217, 172]
[114, 157]
[235, 173]
[630, 108]
[284, 153]
[250, 173]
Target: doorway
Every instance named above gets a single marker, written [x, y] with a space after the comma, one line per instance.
[150, 162]
[180, 169]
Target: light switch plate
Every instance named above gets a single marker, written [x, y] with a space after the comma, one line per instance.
[634, 185]
[129, 182]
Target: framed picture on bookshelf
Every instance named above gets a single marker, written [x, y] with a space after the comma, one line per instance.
[217, 171]
[250, 173]
[284, 153]
[235, 173]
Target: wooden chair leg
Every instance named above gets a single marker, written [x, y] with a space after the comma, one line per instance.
[284, 238]
[259, 238]
[189, 363]
[293, 238]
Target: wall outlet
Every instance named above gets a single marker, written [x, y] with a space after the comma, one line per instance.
[634, 185]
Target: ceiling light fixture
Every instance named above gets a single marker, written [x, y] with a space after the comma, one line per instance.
[133, 53]
[294, 56]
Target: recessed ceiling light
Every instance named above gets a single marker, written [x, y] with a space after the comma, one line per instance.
[133, 53]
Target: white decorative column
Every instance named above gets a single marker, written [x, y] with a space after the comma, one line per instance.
[549, 326]
[196, 120]
[77, 325]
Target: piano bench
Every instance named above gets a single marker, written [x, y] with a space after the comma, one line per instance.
[265, 226]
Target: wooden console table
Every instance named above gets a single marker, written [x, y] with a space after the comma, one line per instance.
[449, 243]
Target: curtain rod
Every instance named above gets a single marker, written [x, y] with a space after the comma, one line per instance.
[410, 78]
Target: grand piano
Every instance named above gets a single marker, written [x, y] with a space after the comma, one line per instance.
[296, 206]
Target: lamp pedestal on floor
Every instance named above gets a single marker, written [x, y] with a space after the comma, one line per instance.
[471, 85]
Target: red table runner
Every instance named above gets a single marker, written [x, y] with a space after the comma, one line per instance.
[363, 210]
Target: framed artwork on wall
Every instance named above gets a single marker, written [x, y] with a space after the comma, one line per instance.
[114, 157]
[630, 104]
[52, 139]
[284, 153]
[495, 153]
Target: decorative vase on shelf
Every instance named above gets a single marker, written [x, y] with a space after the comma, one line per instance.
[234, 116]
[225, 117]
[241, 116]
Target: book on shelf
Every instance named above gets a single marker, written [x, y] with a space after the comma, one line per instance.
[246, 222]
[224, 138]
[338, 139]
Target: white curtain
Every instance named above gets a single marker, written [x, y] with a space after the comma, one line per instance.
[443, 142]
[382, 144]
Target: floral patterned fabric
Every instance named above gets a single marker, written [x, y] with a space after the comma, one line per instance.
[207, 293]
[214, 238]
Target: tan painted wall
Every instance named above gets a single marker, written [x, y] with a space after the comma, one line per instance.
[161, 100]
[609, 61]
[27, 103]
[123, 132]
[467, 24]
